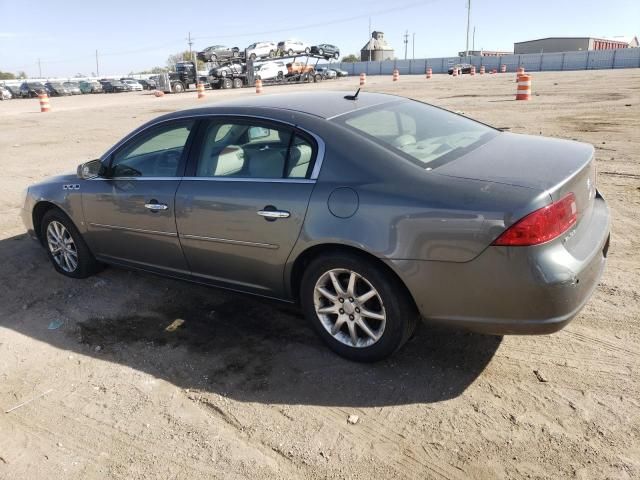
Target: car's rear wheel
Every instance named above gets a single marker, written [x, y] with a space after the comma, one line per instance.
[290, 52]
[320, 51]
[336, 55]
[65, 246]
[356, 307]
[307, 50]
[213, 57]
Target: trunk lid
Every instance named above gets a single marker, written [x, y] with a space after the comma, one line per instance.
[545, 164]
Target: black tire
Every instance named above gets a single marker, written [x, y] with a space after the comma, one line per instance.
[307, 50]
[317, 78]
[290, 52]
[178, 87]
[87, 264]
[320, 51]
[213, 57]
[280, 77]
[336, 55]
[237, 83]
[226, 83]
[401, 313]
[235, 54]
[252, 56]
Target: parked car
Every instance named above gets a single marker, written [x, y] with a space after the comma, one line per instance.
[147, 84]
[464, 68]
[133, 85]
[270, 71]
[229, 70]
[327, 73]
[340, 73]
[217, 53]
[14, 90]
[90, 86]
[326, 50]
[261, 50]
[5, 94]
[294, 68]
[368, 214]
[57, 89]
[113, 86]
[289, 47]
[73, 87]
[32, 89]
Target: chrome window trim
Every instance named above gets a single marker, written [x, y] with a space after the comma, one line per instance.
[137, 230]
[208, 179]
[249, 179]
[319, 141]
[233, 242]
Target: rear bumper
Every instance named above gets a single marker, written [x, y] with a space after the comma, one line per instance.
[513, 290]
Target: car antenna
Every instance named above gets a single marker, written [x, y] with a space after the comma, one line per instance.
[352, 97]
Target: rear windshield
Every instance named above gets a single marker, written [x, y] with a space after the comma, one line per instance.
[425, 135]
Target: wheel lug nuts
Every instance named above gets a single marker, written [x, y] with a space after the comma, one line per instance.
[350, 317]
[341, 300]
[341, 311]
[357, 310]
[351, 299]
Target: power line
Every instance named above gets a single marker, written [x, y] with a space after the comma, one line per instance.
[406, 42]
[325, 23]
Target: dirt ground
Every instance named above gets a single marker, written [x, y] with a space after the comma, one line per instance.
[244, 389]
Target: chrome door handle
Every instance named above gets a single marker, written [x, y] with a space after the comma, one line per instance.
[274, 214]
[156, 206]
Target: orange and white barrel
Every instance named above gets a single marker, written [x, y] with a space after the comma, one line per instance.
[481, 69]
[200, 89]
[396, 75]
[429, 72]
[258, 86]
[524, 87]
[473, 70]
[44, 103]
[503, 69]
[363, 79]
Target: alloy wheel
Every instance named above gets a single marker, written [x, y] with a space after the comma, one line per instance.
[349, 308]
[62, 247]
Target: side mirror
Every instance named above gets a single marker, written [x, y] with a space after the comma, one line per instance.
[91, 169]
[256, 133]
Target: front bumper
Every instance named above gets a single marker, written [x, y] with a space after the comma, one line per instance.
[513, 290]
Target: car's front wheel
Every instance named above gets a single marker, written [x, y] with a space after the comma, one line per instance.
[356, 307]
[65, 246]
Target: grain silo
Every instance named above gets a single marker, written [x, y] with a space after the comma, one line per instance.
[376, 49]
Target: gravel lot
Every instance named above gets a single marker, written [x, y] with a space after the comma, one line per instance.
[245, 389]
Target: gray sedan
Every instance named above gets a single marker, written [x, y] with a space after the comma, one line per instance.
[370, 211]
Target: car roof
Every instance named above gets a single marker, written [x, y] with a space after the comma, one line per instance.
[325, 104]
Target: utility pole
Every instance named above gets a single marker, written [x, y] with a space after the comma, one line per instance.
[97, 65]
[370, 32]
[190, 42]
[473, 42]
[413, 46]
[406, 42]
[39, 69]
[468, 24]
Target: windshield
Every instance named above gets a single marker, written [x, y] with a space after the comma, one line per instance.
[423, 134]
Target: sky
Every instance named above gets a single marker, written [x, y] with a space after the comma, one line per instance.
[132, 35]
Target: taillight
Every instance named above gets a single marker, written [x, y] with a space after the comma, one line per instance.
[542, 225]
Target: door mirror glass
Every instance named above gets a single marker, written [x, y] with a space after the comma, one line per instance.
[91, 169]
[257, 133]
